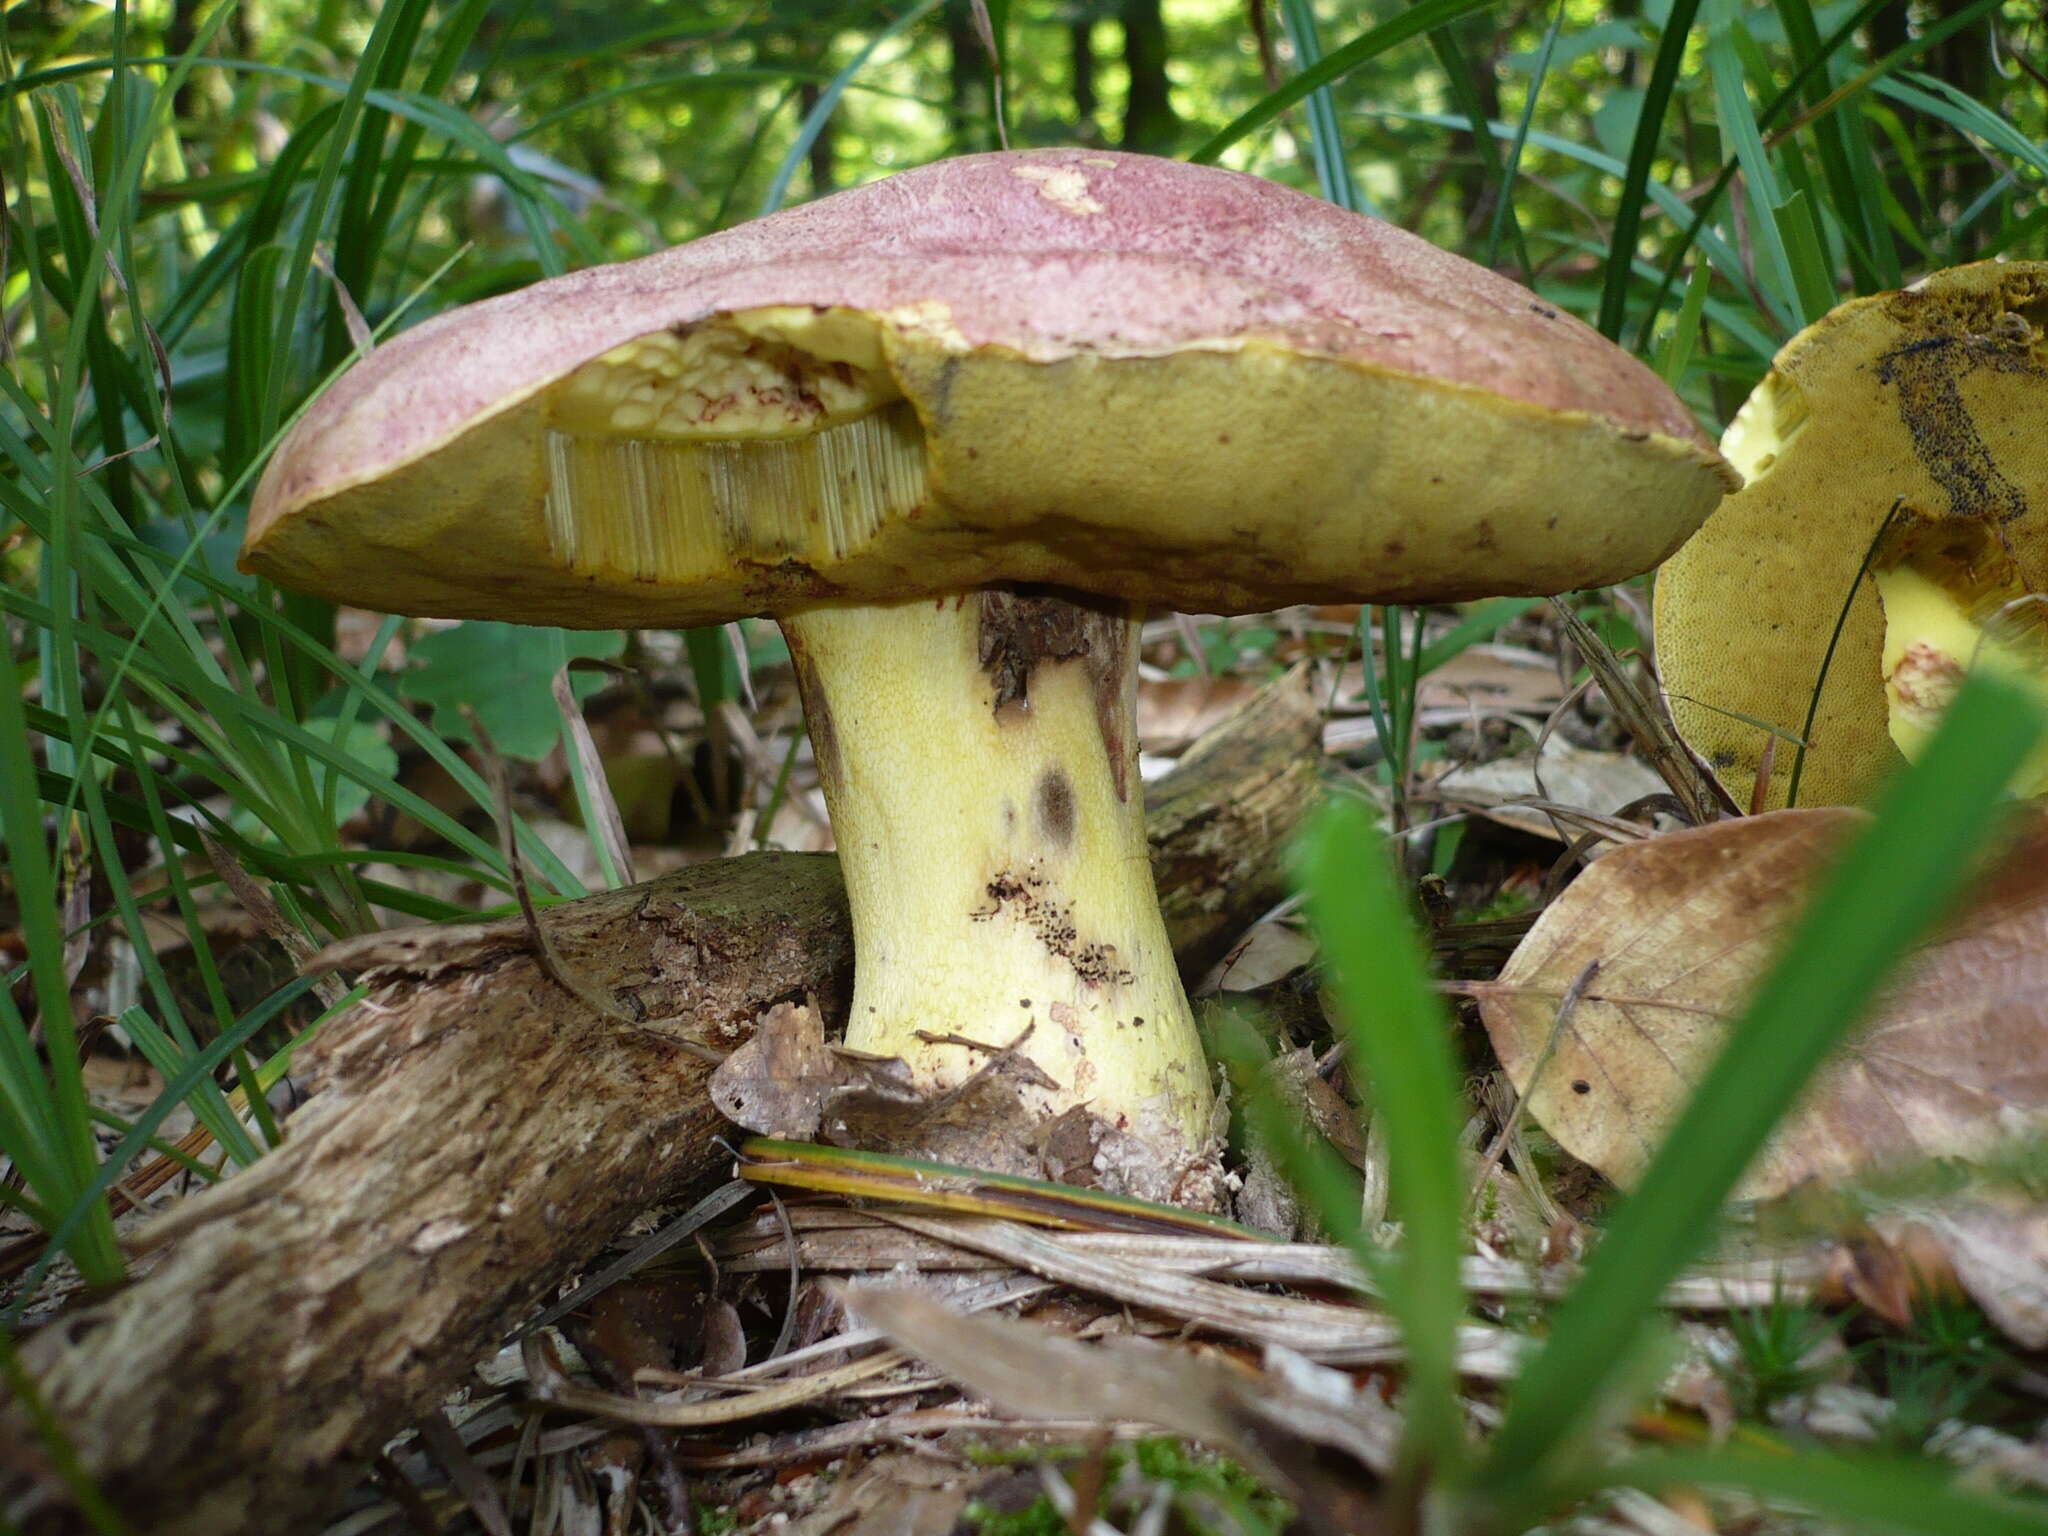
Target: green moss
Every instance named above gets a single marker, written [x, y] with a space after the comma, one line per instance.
[1213, 1496]
[1781, 1351]
[1021, 1454]
[1509, 901]
[1038, 1519]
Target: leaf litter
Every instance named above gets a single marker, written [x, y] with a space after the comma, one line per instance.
[1275, 1352]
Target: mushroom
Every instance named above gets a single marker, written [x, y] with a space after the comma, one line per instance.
[955, 430]
[1933, 401]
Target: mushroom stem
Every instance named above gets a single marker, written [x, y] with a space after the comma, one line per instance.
[979, 758]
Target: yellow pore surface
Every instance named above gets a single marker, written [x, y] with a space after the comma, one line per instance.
[1936, 398]
[1221, 478]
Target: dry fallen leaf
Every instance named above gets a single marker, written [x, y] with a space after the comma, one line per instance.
[1597, 782]
[1890, 1273]
[1996, 1244]
[1954, 1060]
[778, 1082]
[788, 1082]
[1272, 1422]
[1268, 951]
[905, 1493]
[1495, 677]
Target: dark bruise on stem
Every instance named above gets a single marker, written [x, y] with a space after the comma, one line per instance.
[1023, 628]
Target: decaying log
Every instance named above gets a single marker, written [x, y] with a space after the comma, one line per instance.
[477, 1135]
[1215, 823]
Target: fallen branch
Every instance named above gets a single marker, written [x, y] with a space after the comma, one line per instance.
[478, 1135]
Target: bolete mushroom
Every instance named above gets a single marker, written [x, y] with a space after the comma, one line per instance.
[1933, 401]
[955, 429]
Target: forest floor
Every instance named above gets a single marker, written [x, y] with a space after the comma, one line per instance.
[1004, 1360]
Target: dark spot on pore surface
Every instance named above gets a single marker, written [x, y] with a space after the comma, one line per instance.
[1926, 375]
[942, 390]
[1484, 537]
[1056, 807]
[1582, 1086]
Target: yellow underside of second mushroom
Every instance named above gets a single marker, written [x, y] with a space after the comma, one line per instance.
[1931, 640]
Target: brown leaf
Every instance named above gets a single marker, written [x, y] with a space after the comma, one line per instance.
[777, 1083]
[1267, 952]
[645, 1324]
[1889, 1278]
[1308, 1093]
[982, 1122]
[1996, 1247]
[1271, 1423]
[788, 1082]
[1577, 777]
[725, 1339]
[1497, 677]
[1954, 1060]
[905, 1494]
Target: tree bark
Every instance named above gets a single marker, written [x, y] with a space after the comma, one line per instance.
[1081, 52]
[821, 155]
[971, 73]
[478, 1134]
[1150, 123]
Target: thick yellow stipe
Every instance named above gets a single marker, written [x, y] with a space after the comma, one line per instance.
[684, 511]
[995, 864]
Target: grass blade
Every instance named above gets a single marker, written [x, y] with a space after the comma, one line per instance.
[1860, 1493]
[1398, 1033]
[1326, 139]
[175, 1092]
[1511, 173]
[1628, 214]
[1388, 34]
[828, 103]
